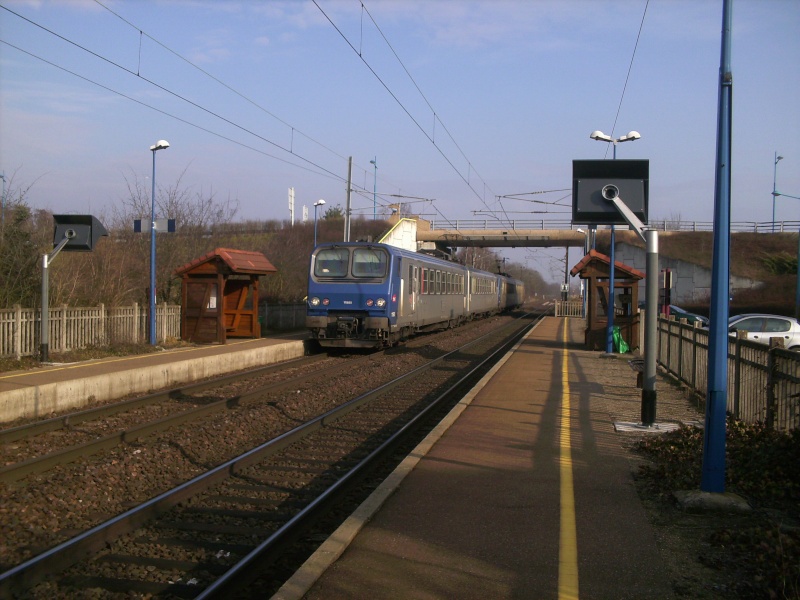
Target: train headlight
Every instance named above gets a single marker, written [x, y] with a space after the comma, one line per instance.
[369, 302]
[381, 302]
[315, 301]
[325, 302]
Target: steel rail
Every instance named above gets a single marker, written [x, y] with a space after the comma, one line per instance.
[67, 553]
[55, 423]
[232, 578]
[39, 464]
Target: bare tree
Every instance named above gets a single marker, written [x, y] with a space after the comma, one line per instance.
[196, 215]
[23, 240]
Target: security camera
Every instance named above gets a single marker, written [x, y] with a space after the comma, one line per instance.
[69, 234]
[610, 192]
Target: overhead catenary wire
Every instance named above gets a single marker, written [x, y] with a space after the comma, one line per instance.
[628, 75]
[322, 171]
[313, 166]
[416, 122]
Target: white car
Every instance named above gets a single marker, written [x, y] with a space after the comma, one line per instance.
[762, 328]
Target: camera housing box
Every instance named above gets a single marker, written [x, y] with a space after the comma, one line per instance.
[631, 177]
[82, 231]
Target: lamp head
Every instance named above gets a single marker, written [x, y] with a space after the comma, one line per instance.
[777, 159]
[319, 202]
[600, 136]
[632, 135]
[160, 145]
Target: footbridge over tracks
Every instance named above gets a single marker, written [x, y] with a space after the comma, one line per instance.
[559, 234]
[478, 233]
[504, 237]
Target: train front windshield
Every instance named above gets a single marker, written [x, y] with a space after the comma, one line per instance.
[335, 263]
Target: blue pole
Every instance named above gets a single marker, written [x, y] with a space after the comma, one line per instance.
[153, 255]
[375, 190]
[3, 224]
[610, 327]
[713, 472]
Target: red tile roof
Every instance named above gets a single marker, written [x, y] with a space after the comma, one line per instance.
[620, 269]
[238, 261]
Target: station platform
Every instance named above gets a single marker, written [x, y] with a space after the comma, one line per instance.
[524, 491]
[57, 387]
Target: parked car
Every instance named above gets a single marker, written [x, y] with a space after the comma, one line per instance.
[685, 314]
[762, 328]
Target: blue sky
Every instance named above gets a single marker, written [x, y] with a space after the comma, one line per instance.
[468, 101]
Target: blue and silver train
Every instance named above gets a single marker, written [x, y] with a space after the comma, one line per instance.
[369, 295]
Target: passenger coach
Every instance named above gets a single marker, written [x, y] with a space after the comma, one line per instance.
[370, 295]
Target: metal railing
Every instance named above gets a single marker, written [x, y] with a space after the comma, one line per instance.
[569, 308]
[763, 382]
[73, 328]
[663, 225]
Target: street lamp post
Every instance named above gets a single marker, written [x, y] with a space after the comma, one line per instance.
[3, 224]
[159, 145]
[319, 202]
[775, 194]
[602, 137]
[374, 163]
[585, 252]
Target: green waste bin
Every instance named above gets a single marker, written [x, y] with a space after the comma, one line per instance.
[620, 345]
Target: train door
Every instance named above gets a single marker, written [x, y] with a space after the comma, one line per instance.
[467, 292]
[413, 289]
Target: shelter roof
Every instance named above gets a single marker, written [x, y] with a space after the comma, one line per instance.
[621, 270]
[236, 261]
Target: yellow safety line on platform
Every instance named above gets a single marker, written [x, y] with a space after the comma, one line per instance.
[568, 538]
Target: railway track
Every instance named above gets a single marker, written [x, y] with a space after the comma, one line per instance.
[145, 416]
[200, 534]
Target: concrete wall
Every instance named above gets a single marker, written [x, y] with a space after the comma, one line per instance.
[37, 397]
[691, 283]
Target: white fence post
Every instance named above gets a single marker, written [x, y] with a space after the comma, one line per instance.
[74, 328]
[17, 331]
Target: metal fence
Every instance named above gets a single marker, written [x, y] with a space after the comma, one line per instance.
[72, 328]
[763, 382]
[569, 308]
[284, 317]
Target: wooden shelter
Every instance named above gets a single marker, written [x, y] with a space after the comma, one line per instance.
[595, 268]
[219, 295]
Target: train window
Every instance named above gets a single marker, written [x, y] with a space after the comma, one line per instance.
[424, 281]
[332, 262]
[438, 285]
[449, 283]
[370, 262]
